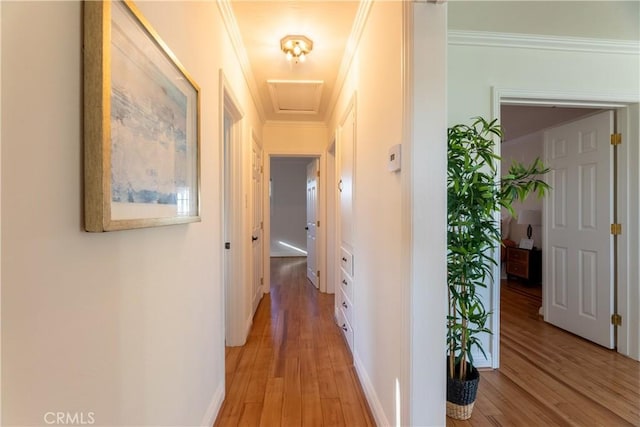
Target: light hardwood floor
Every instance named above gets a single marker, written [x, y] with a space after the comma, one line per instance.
[295, 369]
[549, 377]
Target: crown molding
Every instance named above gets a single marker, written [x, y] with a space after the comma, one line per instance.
[349, 52]
[229, 20]
[533, 41]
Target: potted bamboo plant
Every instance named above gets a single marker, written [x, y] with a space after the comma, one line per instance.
[474, 196]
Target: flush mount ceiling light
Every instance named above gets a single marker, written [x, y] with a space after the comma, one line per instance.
[296, 47]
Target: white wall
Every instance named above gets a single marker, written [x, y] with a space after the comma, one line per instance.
[399, 307]
[531, 70]
[288, 205]
[427, 203]
[615, 19]
[523, 150]
[128, 324]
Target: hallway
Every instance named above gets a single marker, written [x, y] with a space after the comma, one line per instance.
[295, 369]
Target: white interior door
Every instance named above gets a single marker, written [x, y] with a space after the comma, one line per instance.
[256, 225]
[312, 218]
[578, 249]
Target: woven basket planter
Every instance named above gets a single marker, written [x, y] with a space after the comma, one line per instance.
[461, 395]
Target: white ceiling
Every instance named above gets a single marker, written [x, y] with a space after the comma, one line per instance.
[520, 120]
[262, 24]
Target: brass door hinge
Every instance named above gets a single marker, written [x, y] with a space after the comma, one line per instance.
[318, 224]
[318, 173]
[261, 225]
[616, 229]
[262, 280]
[616, 138]
[616, 320]
[318, 274]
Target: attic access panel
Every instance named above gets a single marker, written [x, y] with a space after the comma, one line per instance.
[296, 96]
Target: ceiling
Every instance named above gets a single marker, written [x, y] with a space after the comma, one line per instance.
[287, 91]
[520, 120]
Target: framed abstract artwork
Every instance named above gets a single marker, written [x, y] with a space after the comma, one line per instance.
[141, 125]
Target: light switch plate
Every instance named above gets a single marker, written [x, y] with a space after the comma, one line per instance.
[393, 164]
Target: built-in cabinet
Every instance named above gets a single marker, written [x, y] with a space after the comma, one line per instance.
[346, 253]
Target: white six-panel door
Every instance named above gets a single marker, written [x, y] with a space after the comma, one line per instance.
[312, 218]
[578, 247]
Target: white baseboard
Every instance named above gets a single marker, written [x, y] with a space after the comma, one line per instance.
[214, 407]
[370, 393]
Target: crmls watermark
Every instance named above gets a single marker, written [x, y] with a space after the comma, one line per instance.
[69, 418]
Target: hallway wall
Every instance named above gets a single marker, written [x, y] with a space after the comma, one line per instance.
[125, 325]
[377, 241]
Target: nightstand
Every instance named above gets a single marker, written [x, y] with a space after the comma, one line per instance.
[524, 264]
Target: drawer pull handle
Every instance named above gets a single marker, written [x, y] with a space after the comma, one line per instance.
[344, 304]
[344, 282]
[344, 327]
[344, 259]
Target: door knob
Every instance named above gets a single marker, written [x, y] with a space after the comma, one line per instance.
[306, 228]
[340, 186]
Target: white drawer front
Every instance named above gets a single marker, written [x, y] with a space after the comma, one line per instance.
[346, 261]
[345, 327]
[346, 306]
[346, 284]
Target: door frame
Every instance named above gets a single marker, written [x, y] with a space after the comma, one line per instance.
[232, 225]
[321, 258]
[625, 106]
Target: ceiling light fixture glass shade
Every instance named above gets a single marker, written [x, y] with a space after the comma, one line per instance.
[296, 47]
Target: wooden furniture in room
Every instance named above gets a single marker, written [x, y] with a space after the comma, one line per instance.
[524, 264]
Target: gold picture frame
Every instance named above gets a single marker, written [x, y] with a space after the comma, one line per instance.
[141, 125]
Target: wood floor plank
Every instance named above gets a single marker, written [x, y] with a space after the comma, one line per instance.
[272, 408]
[292, 403]
[251, 414]
[332, 413]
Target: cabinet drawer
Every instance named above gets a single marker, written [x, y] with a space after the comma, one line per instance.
[346, 284]
[518, 269]
[514, 254]
[345, 306]
[346, 261]
[345, 327]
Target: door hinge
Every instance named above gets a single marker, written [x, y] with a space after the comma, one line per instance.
[227, 245]
[318, 224]
[261, 169]
[262, 280]
[261, 225]
[616, 138]
[616, 320]
[318, 173]
[318, 274]
[616, 229]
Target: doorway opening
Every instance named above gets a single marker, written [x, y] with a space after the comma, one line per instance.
[294, 211]
[551, 114]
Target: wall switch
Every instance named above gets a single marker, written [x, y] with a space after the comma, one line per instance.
[393, 164]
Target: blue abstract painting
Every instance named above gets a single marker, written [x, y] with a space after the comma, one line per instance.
[149, 161]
